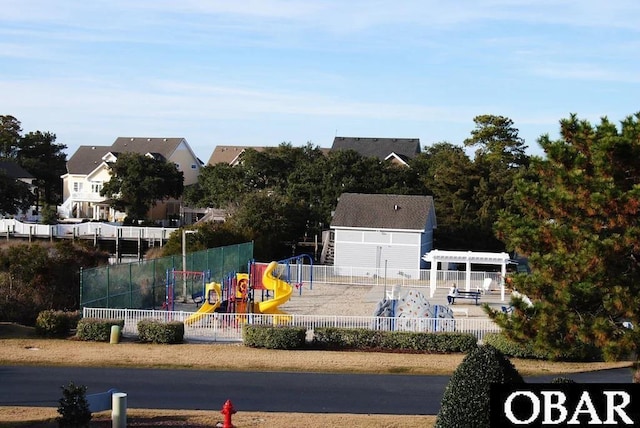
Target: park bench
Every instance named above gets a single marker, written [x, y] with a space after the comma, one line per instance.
[473, 295]
[197, 298]
[460, 311]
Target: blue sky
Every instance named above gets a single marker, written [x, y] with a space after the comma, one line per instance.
[260, 72]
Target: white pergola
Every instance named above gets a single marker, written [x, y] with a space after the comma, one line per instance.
[469, 258]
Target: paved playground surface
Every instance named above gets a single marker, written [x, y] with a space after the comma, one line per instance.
[361, 300]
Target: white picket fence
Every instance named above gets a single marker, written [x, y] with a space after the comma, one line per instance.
[97, 229]
[227, 327]
[415, 278]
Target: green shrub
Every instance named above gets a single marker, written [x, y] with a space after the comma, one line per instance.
[73, 407]
[435, 343]
[344, 338]
[154, 331]
[361, 338]
[97, 329]
[465, 402]
[270, 337]
[52, 323]
[328, 337]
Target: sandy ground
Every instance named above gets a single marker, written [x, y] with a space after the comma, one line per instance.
[361, 300]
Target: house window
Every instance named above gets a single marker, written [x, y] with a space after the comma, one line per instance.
[194, 166]
[96, 186]
[77, 186]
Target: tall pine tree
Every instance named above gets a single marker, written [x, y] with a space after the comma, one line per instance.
[576, 215]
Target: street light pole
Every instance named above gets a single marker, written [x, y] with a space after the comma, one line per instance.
[184, 262]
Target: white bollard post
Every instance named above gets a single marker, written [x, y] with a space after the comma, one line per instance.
[119, 410]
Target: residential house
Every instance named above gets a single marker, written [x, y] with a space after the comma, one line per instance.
[15, 172]
[87, 171]
[396, 150]
[383, 234]
[230, 154]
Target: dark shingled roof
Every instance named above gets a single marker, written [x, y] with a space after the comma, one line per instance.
[380, 148]
[15, 171]
[162, 146]
[382, 211]
[86, 159]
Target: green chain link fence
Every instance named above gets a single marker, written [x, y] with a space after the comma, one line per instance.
[143, 285]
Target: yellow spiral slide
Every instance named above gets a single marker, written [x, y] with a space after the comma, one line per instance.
[281, 292]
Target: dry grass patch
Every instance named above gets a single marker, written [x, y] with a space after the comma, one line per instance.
[45, 418]
[201, 356]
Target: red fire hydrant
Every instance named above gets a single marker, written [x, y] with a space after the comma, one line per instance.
[227, 411]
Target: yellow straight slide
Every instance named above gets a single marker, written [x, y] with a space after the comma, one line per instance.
[207, 307]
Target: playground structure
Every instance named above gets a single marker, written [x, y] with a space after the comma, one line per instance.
[237, 291]
[173, 276]
[411, 311]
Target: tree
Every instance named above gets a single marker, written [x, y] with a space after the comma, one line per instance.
[446, 173]
[138, 182]
[500, 154]
[576, 215]
[15, 195]
[274, 221]
[42, 276]
[210, 235]
[46, 161]
[218, 186]
[10, 134]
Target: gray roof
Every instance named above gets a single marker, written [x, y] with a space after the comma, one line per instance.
[161, 146]
[406, 148]
[15, 171]
[383, 211]
[86, 159]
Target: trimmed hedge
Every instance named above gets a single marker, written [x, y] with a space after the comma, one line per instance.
[97, 329]
[52, 323]
[154, 331]
[270, 337]
[466, 398]
[342, 338]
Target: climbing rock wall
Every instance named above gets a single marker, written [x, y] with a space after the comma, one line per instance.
[414, 312]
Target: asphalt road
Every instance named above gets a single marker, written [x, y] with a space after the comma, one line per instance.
[249, 391]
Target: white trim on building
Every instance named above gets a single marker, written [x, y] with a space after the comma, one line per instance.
[468, 258]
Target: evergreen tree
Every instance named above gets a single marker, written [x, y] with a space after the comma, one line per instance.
[15, 195]
[10, 134]
[500, 154]
[39, 154]
[576, 215]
